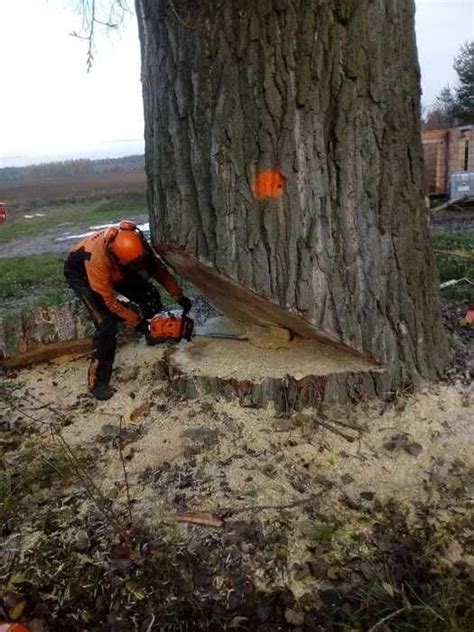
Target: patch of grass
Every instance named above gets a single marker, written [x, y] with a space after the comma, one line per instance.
[452, 267]
[34, 470]
[21, 277]
[446, 606]
[39, 280]
[127, 202]
[322, 532]
[72, 214]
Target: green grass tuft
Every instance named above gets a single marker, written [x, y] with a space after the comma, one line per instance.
[446, 606]
[133, 203]
[452, 267]
[322, 532]
[23, 277]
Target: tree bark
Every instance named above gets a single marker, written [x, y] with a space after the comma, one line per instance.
[25, 332]
[325, 94]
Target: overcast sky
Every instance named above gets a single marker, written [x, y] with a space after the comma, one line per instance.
[51, 108]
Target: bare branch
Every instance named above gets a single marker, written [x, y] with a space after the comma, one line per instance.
[107, 14]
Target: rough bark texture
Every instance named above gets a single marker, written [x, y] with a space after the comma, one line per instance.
[327, 93]
[31, 328]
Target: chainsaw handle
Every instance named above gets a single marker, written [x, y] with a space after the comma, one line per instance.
[187, 309]
[183, 320]
[187, 325]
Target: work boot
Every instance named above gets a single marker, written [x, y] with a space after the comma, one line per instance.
[102, 392]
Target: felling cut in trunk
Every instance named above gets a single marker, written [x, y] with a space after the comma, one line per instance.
[248, 307]
[284, 164]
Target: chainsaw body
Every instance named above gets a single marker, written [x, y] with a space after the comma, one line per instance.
[170, 328]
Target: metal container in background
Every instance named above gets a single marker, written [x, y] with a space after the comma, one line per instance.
[462, 185]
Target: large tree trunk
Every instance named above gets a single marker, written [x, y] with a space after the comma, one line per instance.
[326, 93]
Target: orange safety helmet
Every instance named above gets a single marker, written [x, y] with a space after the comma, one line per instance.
[126, 243]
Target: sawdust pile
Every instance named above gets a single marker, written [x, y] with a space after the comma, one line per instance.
[244, 457]
[324, 490]
[242, 360]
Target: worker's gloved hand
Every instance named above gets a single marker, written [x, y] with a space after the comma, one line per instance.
[185, 303]
[142, 327]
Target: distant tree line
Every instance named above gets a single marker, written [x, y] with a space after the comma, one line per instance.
[72, 169]
[455, 106]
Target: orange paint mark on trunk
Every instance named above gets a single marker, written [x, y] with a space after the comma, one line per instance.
[268, 184]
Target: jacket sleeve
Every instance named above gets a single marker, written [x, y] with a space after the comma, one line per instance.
[100, 282]
[159, 272]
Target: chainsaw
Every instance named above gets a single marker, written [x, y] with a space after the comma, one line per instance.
[169, 327]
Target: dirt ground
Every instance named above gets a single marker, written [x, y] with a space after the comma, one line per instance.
[364, 526]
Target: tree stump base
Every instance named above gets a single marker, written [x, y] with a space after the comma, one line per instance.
[303, 374]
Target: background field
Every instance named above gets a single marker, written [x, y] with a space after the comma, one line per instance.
[32, 194]
[45, 203]
[69, 198]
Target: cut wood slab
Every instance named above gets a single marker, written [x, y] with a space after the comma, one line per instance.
[269, 337]
[243, 360]
[48, 352]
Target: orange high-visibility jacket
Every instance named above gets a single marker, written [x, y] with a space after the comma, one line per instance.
[103, 274]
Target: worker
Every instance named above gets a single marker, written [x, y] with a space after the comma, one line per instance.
[117, 261]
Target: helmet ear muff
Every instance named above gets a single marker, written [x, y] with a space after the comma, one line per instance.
[110, 234]
[127, 224]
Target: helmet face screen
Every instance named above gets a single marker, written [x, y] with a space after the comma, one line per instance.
[136, 264]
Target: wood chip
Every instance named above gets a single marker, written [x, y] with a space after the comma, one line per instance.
[206, 519]
[130, 416]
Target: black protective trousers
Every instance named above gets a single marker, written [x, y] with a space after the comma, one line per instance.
[145, 298]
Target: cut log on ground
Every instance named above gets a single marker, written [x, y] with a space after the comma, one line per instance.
[66, 349]
[32, 328]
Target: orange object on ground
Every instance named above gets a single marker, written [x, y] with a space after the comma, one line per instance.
[13, 627]
[3, 213]
[268, 184]
[469, 317]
